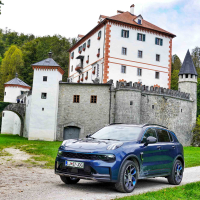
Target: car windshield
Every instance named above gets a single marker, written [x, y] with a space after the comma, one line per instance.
[118, 133]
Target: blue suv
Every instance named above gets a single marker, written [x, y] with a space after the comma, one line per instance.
[122, 154]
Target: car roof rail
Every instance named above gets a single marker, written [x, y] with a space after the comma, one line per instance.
[115, 123]
[154, 125]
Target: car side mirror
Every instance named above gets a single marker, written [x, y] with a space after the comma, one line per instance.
[150, 140]
[87, 136]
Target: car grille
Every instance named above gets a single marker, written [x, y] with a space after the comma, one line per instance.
[82, 156]
[75, 171]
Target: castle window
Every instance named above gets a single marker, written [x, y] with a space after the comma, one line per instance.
[84, 46]
[131, 103]
[157, 75]
[125, 34]
[44, 78]
[72, 55]
[76, 99]
[124, 51]
[22, 92]
[141, 37]
[152, 106]
[80, 49]
[139, 21]
[159, 41]
[123, 69]
[3, 114]
[186, 76]
[139, 72]
[99, 35]
[88, 43]
[42, 109]
[93, 99]
[157, 57]
[44, 96]
[139, 54]
[5, 93]
[71, 68]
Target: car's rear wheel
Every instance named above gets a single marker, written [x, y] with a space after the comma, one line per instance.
[128, 177]
[69, 180]
[177, 173]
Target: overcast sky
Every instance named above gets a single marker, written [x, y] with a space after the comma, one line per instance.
[70, 18]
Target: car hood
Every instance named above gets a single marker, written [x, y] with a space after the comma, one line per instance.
[89, 144]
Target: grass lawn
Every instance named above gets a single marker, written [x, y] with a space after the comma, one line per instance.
[189, 191]
[47, 150]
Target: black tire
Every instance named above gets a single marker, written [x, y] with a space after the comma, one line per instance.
[69, 180]
[132, 176]
[177, 173]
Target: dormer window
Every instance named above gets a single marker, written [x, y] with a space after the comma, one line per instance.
[139, 19]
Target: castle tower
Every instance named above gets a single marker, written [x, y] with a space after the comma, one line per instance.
[44, 103]
[10, 121]
[188, 82]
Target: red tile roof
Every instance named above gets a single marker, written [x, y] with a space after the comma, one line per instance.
[127, 17]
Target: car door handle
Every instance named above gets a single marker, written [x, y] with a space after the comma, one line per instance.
[158, 147]
[173, 147]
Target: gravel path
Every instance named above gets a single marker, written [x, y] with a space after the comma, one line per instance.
[19, 181]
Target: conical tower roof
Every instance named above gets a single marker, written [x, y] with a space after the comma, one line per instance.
[188, 65]
[48, 63]
[17, 82]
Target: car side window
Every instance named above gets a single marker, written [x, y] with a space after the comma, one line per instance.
[150, 132]
[162, 135]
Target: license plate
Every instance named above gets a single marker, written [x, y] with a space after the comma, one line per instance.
[69, 163]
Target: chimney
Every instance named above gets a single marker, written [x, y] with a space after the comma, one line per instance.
[132, 9]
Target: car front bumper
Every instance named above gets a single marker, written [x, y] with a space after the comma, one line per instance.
[93, 169]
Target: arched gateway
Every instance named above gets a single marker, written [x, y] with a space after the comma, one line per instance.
[20, 110]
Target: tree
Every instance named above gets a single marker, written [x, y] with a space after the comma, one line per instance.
[174, 80]
[0, 6]
[196, 57]
[176, 66]
[11, 63]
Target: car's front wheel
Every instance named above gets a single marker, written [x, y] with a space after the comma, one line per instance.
[69, 180]
[177, 173]
[128, 177]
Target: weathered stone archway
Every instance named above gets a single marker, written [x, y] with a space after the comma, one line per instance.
[20, 110]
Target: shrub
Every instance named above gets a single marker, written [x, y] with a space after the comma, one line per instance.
[196, 133]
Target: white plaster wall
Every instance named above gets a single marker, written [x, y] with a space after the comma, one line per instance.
[147, 62]
[27, 116]
[43, 123]
[11, 121]
[92, 52]
[16, 125]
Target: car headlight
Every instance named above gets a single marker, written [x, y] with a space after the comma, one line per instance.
[59, 153]
[114, 146]
[67, 142]
[107, 157]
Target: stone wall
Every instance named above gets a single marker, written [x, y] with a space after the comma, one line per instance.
[174, 109]
[89, 117]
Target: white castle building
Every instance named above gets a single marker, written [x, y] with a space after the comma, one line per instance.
[124, 47]
[130, 50]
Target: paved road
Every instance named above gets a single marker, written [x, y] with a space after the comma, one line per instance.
[20, 182]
